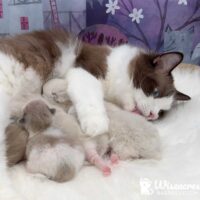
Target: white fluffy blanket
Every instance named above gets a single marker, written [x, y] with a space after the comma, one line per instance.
[175, 176]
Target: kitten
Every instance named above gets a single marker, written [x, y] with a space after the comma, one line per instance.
[93, 73]
[50, 150]
[129, 135]
[57, 136]
[16, 140]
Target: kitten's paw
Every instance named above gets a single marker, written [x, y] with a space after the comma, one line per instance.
[106, 171]
[60, 96]
[56, 90]
[95, 125]
[114, 158]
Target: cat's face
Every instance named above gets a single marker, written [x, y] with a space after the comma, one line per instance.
[153, 85]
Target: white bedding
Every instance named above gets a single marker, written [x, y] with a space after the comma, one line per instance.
[180, 163]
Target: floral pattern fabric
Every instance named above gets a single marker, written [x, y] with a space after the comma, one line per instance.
[161, 25]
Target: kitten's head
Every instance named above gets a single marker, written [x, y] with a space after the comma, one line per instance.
[154, 90]
[37, 116]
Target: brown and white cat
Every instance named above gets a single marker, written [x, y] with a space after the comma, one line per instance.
[135, 79]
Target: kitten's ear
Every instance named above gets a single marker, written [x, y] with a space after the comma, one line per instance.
[52, 110]
[166, 62]
[179, 96]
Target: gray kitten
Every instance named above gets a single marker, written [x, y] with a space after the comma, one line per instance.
[52, 150]
[131, 136]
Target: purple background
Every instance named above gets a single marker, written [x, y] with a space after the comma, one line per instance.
[183, 20]
[167, 25]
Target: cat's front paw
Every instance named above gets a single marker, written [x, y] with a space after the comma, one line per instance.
[95, 125]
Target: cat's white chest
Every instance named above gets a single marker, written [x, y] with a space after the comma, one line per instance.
[117, 84]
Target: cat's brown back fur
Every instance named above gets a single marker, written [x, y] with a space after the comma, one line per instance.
[41, 51]
[93, 58]
[38, 49]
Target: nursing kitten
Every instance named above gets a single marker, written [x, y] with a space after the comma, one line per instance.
[57, 146]
[16, 141]
[50, 150]
[129, 136]
[135, 79]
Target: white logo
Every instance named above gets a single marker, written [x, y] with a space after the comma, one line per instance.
[145, 186]
[165, 187]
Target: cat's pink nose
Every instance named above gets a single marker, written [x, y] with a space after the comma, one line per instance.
[151, 116]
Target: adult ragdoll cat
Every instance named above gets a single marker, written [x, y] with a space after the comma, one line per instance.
[135, 79]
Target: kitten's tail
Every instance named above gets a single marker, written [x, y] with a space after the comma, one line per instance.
[71, 162]
[66, 172]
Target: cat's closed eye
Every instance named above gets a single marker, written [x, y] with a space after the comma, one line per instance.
[156, 93]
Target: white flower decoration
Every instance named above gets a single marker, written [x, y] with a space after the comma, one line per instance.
[136, 15]
[184, 2]
[112, 5]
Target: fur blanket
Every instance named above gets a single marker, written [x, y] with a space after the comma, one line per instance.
[175, 176]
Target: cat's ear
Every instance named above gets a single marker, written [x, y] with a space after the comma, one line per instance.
[179, 96]
[166, 62]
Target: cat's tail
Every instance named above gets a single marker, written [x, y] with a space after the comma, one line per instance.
[66, 172]
[7, 191]
[70, 163]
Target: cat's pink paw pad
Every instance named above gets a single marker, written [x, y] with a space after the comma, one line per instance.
[106, 171]
[114, 158]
